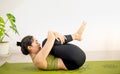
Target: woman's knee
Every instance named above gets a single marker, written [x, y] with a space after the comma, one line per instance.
[81, 59]
[78, 56]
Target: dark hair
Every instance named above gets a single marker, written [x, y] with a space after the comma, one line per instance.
[25, 42]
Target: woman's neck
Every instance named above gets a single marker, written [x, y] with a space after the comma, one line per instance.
[32, 56]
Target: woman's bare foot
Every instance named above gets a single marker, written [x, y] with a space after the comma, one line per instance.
[78, 34]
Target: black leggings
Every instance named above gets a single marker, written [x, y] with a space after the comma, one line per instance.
[73, 57]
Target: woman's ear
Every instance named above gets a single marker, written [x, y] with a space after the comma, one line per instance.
[29, 48]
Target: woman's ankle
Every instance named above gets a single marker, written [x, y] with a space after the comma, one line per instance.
[76, 36]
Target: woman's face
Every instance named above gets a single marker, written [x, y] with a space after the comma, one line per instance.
[35, 47]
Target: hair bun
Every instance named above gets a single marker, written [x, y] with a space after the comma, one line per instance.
[18, 43]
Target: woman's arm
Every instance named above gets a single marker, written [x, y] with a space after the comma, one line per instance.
[40, 58]
[60, 38]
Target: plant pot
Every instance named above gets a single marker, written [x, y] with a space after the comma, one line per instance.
[4, 48]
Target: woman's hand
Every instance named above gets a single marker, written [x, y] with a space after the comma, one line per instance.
[51, 35]
[60, 37]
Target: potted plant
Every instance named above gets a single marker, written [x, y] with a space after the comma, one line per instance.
[5, 27]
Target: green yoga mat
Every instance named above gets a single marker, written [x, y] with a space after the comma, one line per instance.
[90, 67]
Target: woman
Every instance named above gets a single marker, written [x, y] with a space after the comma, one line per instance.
[56, 52]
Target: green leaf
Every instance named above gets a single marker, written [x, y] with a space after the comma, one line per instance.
[2, 33]
[14, 29]
[11, 17]
[6, 34]
[2, 22]
[2, 25]
[12, 23]
[2, 29]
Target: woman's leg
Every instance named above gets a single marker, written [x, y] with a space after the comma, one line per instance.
[72, 56]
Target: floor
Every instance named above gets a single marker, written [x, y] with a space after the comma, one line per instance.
[18, 57]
